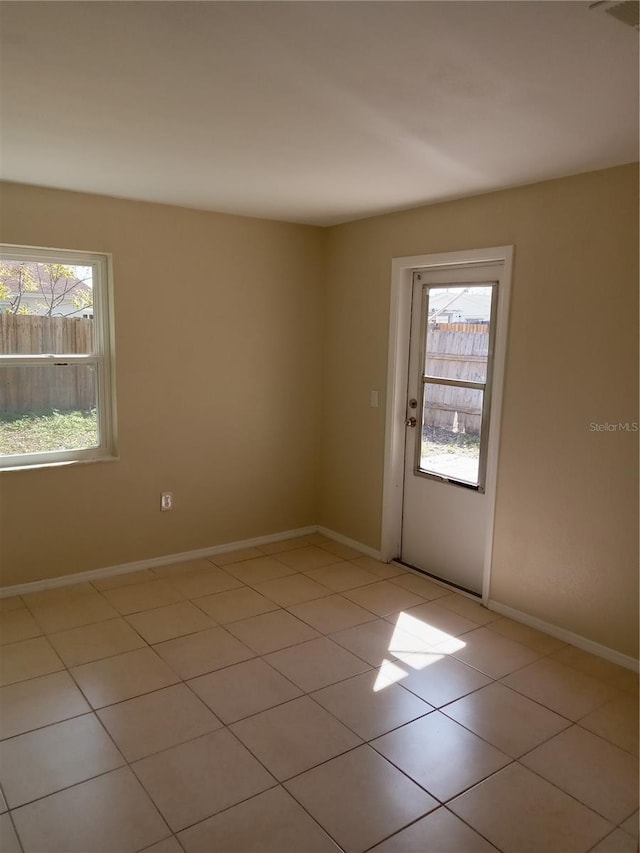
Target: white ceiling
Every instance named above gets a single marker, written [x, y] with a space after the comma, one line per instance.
[315, 112]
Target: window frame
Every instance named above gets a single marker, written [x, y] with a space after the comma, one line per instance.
[485, 387]
[102, 357]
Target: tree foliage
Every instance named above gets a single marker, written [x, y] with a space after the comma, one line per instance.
[44, 289]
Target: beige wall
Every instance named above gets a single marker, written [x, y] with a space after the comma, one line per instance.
[218, 371]
[566, 529]
[222, 403]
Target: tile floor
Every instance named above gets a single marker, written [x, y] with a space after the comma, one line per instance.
[302, 698]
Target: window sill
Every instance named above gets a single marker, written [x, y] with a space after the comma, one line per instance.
[60, 463]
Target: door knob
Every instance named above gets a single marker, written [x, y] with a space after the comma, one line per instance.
[410, 422]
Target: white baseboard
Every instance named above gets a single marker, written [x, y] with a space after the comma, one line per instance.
[153, 562]
[567, 636]
[344, 540]
[184, 556]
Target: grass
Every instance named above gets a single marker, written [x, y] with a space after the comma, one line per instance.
[438, 440]
[451, 455]
[41, 432]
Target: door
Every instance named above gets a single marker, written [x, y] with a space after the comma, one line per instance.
[449, 482]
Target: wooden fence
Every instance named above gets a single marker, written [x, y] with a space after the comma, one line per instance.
[41, 388]
[456, 351]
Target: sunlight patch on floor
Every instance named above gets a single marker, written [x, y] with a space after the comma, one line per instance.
[388, 674]
[431, 638]
[417, 644]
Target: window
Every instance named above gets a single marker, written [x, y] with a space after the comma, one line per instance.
[57, 400]
[455, 382]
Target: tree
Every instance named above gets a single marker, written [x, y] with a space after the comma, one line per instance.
[16, 279]
[44, 289]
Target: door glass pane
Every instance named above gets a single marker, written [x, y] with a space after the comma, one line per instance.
[47, 407]
[450, 440]
[45, 308]
[457, 345]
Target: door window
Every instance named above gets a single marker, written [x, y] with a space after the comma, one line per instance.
[455, 387]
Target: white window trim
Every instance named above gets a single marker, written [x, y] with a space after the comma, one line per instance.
[103, 357]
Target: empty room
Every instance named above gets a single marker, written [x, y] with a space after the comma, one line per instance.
[319, 427]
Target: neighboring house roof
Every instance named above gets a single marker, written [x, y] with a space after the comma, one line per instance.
[34, 301]
[474, 305]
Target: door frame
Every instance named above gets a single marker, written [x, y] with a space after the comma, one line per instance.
[402, 270]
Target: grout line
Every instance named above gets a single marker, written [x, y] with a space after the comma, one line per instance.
[569, 794]
[182, 829]
[257, 653]
[79, 782]
[439, 807]
[255, 796]
[473, 828]
[254, 713]
[261, 656]
[15, 829]
[604, 839]
[633, 754]
[171, 837]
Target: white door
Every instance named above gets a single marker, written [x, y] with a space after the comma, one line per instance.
[458, 315]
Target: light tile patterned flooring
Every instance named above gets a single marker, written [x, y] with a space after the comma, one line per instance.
[302, 698]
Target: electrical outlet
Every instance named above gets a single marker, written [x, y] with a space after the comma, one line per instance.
[166, 501]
